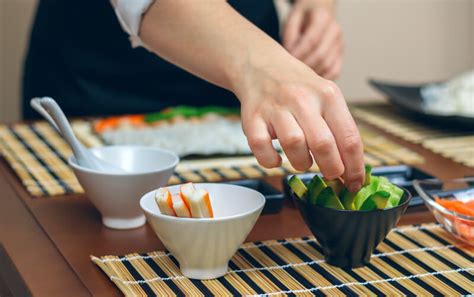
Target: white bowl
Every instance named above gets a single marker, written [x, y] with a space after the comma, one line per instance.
[203, 247]
[116, 195]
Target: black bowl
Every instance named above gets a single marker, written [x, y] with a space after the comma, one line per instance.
[349, 237]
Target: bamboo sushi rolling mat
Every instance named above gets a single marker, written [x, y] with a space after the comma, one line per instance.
[450, 143]
[412, 261]
[39, 155]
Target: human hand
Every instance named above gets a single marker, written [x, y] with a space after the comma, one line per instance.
[307, 114]
[312, 34]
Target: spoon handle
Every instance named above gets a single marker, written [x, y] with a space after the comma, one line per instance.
[48, 107]
[36, 104]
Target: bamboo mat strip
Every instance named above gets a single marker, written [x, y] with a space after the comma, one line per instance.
[450, 143]
[39, 156]
[413, 260]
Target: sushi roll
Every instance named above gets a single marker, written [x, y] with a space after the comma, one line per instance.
[164, 201]
[180, 207]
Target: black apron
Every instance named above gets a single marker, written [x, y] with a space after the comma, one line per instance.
[80, 56]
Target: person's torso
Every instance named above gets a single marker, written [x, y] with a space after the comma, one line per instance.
[79, 53]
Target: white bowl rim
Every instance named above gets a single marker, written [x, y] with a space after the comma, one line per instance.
[137, 173]
[203, 220]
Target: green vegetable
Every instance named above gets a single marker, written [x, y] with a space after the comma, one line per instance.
[298, 187]
[376, 193]
[368, 175]
[366, 191]
[347, 199]
[396, 193]
[188, 112]
[328, 198]
[315, 187]
[378, 200]
[336, 185]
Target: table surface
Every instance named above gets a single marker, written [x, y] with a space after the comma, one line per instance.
[49, 240]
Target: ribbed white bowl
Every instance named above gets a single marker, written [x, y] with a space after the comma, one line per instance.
[203, 247]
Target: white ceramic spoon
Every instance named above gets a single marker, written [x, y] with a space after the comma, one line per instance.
[51, 111]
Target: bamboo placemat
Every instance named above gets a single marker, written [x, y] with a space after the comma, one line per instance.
[448, 142]
[412, 261]
[39, 156]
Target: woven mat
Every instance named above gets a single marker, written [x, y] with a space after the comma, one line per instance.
[38, 155]
[413, 260]
[450, 143]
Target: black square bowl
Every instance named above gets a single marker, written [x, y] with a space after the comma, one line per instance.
[349, 237]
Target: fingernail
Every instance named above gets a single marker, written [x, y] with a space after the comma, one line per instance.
[354, 187]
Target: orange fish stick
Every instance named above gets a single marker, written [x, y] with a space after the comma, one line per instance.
[180, 207]
[186, 192]
[164, 201]
[200, 204]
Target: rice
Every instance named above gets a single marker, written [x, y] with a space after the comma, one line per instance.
[456, 97]
[209, 136]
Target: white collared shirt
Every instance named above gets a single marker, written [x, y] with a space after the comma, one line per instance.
[129, 14]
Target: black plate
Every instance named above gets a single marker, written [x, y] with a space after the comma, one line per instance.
[401, 175]
[409, 98]
[273, 198]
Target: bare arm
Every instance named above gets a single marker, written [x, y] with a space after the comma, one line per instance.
[280, 96]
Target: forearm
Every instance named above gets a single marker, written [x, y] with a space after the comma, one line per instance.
[209, 39]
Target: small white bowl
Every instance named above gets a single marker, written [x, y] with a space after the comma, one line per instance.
[203, 247]
[116, 195]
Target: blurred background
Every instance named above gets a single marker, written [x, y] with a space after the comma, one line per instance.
[406, 41]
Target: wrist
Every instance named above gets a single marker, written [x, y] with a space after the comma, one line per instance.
[257, 68]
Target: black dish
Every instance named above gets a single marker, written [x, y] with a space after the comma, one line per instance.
[347, 237]
[273, 198]
[409, 98]
[401, 175]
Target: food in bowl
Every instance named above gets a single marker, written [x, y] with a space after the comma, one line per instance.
[348, 237]
[203, 247]
[188, 203]
[464, 228]
[377, 193]
[452, 204]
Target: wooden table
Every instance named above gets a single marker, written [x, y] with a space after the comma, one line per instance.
[47, 241]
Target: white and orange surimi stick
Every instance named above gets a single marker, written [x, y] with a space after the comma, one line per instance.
[180, 207]
[186, 192]
[200, 204]
[164, 201]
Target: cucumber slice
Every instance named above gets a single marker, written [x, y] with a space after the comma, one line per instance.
[366, 191]
[329, 199]
[336, 185]
[381, 199]
[396, 193]
[315, 187]
[368, 175]
[298, 187]
[383, 180]
[377, 200]
[347, 199]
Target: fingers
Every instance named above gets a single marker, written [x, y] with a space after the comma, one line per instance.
[318, 21]
[334, 71]
[292, 140]
[330, 42]
[347, 136]
[320, 141]
[330, 66]
[293, 26]
[260, 142]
